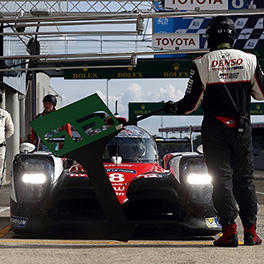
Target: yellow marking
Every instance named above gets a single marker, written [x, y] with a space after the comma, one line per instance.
[4, 231]
[239, 242]
[106, 242]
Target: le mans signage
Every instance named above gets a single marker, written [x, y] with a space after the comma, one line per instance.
[205, 4]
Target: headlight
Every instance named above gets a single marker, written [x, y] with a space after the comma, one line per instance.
[34, 178]
[199, 178]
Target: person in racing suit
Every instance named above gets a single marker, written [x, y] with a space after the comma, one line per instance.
[49, 104]
[6, 131]
[223, 81]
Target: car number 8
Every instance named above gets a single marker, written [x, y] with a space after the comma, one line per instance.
[116, 177]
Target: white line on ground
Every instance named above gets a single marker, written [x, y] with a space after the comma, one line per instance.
[260, 192]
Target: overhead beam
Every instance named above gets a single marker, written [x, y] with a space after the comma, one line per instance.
[54, 23]
[103, 16]
[90, 33]
[67, 67]
[102, 55]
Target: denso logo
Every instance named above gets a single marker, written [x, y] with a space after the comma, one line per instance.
[221, 63]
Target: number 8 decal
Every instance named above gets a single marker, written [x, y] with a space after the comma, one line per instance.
[116, 177]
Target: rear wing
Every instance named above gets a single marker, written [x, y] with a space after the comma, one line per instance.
[175, 140]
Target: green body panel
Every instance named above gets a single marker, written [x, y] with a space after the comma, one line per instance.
[84, 116]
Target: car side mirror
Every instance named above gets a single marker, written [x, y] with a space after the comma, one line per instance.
[26, 147]
[200, 149]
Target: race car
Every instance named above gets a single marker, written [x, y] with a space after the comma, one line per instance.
[173, 190]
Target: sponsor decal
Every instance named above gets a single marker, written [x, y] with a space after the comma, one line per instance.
[81, 175]
[119, 188]
[18, 221]
[130, 75]
[201, 4]
[227, 64]
[190, 82]
[212, 222]
[131, 132]
[149, 175]
[115, 165]
[175, 41]
[228, 75]
[119, 194]
[85, 75]
[122, 170]
[163, 21]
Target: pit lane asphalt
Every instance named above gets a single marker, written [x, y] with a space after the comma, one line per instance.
[181, 250]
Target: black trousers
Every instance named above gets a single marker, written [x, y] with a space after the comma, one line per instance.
[229, 158]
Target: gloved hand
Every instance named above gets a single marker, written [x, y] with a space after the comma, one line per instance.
[170, 107]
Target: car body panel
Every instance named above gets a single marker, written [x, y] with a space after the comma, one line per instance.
[150, 194]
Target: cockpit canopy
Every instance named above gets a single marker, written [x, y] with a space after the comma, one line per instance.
[133, 144]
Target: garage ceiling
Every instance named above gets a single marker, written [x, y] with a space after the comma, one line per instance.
[84, 30]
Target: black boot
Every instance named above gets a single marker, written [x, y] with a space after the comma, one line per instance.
[250, 236]
[229, 238]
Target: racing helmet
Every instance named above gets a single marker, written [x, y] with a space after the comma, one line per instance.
[50, 98]
[220, 29]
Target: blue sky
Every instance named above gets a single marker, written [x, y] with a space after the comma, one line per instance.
[136, 90]
[125, 91]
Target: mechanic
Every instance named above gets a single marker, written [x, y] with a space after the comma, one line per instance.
[6, 131]
[223, 81]
[49, 104]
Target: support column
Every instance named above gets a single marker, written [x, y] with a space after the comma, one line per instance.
[22, 117]
[34, 93]
[12, 106]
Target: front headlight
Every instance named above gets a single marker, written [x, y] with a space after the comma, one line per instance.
[199, 178]
[34, 178]
[32, 175]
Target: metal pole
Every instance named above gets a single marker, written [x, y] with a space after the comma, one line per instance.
[33, 48]
[107, 80]
[34, 93]
[161, 125]
[116, 112]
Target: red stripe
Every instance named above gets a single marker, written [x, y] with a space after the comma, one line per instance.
[230, 82]
[228, 121]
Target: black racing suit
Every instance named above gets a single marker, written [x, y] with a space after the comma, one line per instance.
[228, 153]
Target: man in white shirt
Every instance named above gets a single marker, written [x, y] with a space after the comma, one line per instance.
[6, 131]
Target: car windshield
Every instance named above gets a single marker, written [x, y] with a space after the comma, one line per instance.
[133, 144]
